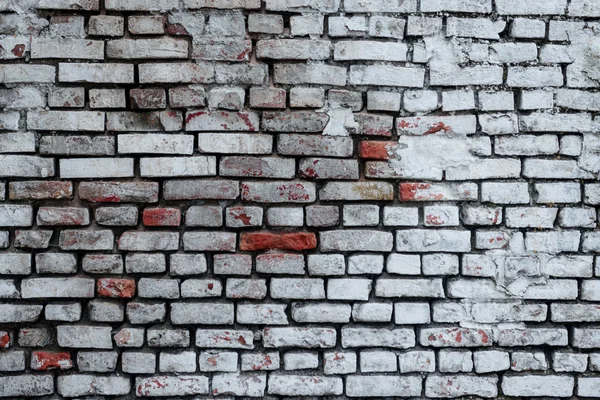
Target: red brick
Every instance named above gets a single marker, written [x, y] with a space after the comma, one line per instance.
[161, 217]
[375, 150]
[283, 241]
[4, 340]
[44, 360]
[120, 288]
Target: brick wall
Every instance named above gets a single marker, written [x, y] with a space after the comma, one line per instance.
[273, 198]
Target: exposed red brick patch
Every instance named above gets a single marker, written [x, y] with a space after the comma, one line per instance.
[284, 241]
[410, 192]
[4, 340]
[161, 217]
[121, 288]
[43, 360]
[375, 150]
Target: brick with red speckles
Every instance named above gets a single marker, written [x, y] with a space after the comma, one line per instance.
[262, 314]
[260, 361]
[71, 239]
[161, 217]
[267, 97]
[421, 191]
[118, 288]
[171, 386]
[40, 190]
[253, 241]
[65, 216]
[226, 49]
[279, 192]
[190, 96]
[445, 125]
[224, 339]
[374, 125]
[452, 386]
[455, 337]
[327, 168]
[308, 338]
[219, 120]
[214, 360]
[243, 217]
[200, 288]
[441, 215]
[44, 360]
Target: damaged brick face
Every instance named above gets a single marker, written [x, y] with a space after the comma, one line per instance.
[299, 199]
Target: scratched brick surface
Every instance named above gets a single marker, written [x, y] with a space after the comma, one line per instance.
[232, 199]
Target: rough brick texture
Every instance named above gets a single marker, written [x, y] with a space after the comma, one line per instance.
[299, 199]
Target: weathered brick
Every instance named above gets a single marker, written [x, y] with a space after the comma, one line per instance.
[15, 73]
[27, 385]
[355, 240]
[221, 121]
[176, 73]
[95, 73]
[171, 386]
[386, 76]
[105, 25]
[209, 241]
[86, 240]
[317, 74]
